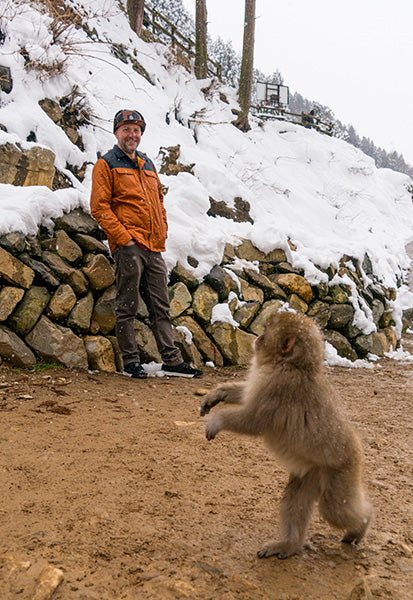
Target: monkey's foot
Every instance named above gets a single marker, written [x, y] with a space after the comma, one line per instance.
[280, 549]
[351, 537]
[357, 534]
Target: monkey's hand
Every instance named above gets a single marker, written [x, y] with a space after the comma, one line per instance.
[213, 426]
[212, 399]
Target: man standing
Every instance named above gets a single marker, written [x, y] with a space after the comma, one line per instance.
[127, 202]
[308, 119]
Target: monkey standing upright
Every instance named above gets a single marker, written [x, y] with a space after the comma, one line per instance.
[286, 399]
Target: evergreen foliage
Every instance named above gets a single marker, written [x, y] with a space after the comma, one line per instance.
[230, 60]
[176, 13]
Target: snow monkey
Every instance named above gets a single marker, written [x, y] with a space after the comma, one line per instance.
[286, 399]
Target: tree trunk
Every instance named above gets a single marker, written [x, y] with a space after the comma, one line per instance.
[201, 55]
[135, 14]
[245, 81]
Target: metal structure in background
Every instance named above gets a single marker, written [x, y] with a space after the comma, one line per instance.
[272, 95]
[272, 102]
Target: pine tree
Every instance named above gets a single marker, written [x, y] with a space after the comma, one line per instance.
[201, 55]
[176, 13]
[352, 137]
[247, 65]
[230, 60]
[135, 14]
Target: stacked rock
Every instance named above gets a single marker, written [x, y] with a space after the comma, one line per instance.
[57, 298]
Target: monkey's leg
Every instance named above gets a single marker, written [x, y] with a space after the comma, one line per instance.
[230, 393]
[296, 508]
[344, 506]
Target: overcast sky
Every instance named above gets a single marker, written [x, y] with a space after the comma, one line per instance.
[354, 56]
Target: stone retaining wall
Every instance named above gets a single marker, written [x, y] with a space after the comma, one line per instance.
[57, 299]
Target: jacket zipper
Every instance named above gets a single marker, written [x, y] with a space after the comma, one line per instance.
[148, 203]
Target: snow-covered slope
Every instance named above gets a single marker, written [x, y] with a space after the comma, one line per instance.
[321, 194]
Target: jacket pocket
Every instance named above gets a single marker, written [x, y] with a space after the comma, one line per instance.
[125, 183]
[151, 181]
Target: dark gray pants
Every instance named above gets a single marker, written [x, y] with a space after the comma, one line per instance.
[142, 271]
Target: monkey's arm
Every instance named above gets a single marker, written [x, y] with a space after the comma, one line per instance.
[230, 393]
[243, 420]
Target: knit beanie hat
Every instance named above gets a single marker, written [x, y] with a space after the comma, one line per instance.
[123, 117]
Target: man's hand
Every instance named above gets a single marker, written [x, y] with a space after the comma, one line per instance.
[130, 243]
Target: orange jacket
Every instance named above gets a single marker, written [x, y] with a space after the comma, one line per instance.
[127, 200]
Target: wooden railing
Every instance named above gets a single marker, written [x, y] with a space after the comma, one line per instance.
[281, 114]
[153, 20]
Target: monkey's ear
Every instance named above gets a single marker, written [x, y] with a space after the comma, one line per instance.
[288, 344]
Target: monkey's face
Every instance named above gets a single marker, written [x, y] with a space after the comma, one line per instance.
[290, 338]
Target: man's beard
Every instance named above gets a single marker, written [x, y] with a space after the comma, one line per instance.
[129, 147]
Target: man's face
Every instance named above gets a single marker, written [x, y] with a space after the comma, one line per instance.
[129, 137]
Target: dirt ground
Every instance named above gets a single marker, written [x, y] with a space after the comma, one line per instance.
[109, 490]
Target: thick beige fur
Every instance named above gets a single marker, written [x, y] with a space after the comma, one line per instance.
[287, 400]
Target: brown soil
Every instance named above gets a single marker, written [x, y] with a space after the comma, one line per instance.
[110, 483]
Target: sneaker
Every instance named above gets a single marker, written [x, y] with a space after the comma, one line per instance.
[182, 370]
[134, 370]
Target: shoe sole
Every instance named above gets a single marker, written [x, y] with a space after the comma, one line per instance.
[126, 374]
[170, 374]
